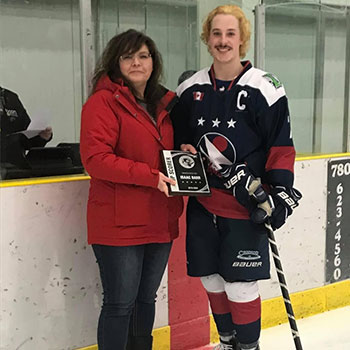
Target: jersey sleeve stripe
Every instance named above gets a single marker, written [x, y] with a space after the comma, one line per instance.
[281, 157]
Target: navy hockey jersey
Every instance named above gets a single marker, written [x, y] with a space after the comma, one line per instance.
[246, 120]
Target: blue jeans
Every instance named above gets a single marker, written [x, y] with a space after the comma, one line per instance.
[130, 279]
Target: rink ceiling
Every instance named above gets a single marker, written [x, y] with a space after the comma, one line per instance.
[50, 288]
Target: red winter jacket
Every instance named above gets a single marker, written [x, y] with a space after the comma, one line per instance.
[120, 149]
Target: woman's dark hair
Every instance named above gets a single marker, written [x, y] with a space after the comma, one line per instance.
[128, 43]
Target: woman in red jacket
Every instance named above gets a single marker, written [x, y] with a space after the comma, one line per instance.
[131, 218]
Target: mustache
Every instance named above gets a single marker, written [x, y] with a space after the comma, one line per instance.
[223, 47]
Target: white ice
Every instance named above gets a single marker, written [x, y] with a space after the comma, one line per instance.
[326, 331]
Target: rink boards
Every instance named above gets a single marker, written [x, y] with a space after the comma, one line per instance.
[50, 288]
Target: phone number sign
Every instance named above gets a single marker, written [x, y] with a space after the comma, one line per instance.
[338, 221]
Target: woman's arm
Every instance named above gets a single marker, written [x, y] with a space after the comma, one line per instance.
[98, 139]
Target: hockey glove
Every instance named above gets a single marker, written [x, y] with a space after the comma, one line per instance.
[247, 190]
[284, 201]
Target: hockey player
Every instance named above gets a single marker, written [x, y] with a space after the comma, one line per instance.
[237, 117]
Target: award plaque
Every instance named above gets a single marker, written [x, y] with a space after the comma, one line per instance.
[188, 171]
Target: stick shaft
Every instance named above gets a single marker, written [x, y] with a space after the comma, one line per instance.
[284, 288]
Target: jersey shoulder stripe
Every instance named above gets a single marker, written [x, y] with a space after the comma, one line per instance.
[261, 80]
[199, 78]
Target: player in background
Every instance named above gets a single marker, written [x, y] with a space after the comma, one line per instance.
[237, 117]
[14, 119]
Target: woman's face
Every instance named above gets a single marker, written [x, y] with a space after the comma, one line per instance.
[224, 38]
[137, 68]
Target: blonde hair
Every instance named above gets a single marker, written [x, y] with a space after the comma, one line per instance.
[243, 22]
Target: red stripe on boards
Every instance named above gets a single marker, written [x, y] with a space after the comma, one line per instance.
[187, 300]
[190, 334]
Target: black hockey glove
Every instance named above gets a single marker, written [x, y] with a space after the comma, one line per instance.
[284, 201]
[248, 191]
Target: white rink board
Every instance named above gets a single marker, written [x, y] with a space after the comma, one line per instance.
[301, 241]
[50, 287]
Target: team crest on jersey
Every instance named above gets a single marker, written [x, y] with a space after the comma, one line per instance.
[218, 150]
[198, 95]
[272, 79]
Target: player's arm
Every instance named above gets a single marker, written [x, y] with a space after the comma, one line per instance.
[273, 119]
[279, 169]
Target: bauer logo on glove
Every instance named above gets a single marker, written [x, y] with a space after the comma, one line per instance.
[289, 200]
[245, 187]
[285, 201]
[237, 176]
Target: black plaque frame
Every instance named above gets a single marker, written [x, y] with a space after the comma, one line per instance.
[188, 171]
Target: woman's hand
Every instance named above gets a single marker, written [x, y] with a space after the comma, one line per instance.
[162, 183]
[188, 148]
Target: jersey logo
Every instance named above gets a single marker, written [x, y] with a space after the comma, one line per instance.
[272, 79]
[240, 105]
[218, 150]
[198, 95]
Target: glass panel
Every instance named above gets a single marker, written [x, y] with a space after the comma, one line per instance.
[178, 41]
[290, 54]
[248, 7]
[172, 25]
[305, 48]
[334, 81]
[40, 61]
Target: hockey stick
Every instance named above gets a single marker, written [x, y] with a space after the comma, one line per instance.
[284, 289]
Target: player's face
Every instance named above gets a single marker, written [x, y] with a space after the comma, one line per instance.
[224, 39]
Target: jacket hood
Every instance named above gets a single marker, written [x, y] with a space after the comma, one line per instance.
[105, 83]
[167, 101]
